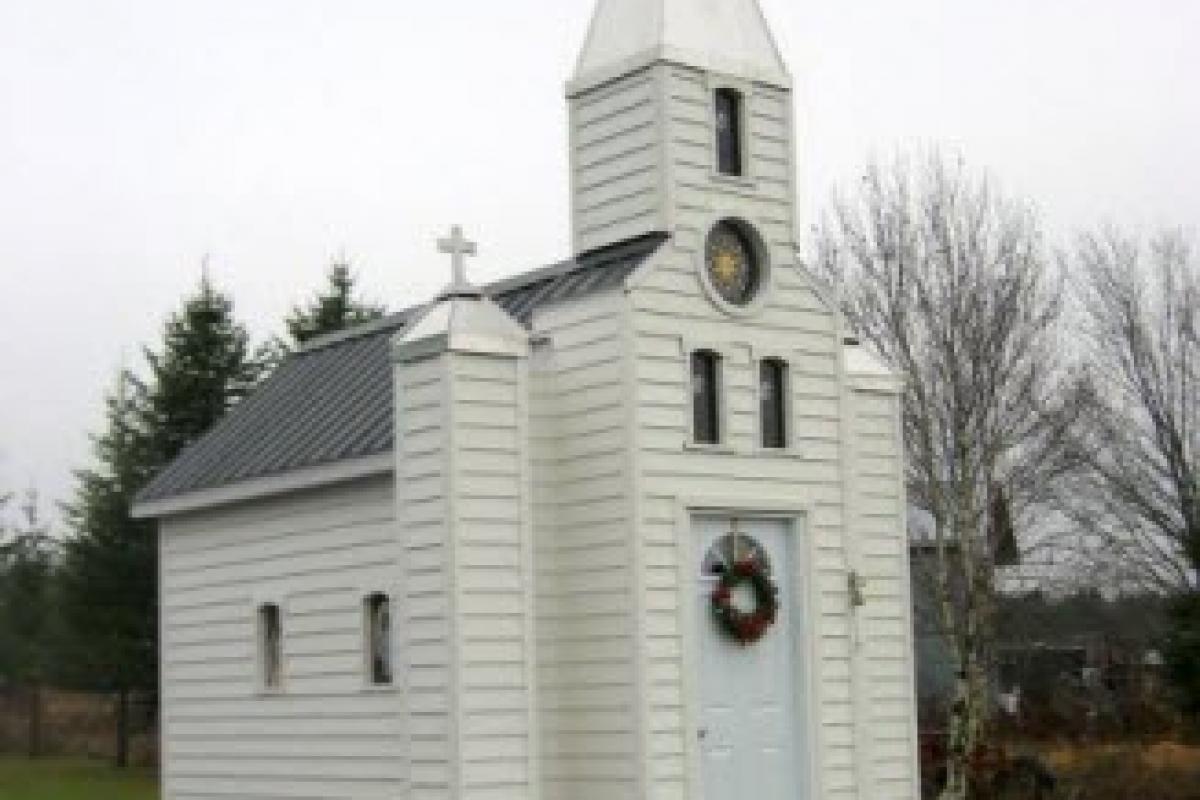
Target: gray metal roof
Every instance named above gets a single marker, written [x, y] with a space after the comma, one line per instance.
[332, 401]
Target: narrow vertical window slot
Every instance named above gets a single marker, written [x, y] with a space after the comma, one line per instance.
[270, 646]
[773, 398]
[729, 132]
[377, 611]
[706, 402]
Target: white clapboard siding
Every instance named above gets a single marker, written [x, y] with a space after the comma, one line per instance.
[885, 619]
[671, 314]
[494, 737]
[809, 475]
[326, 734]
[424, 616]
[583, 604]
[463, 478]
[616, 162]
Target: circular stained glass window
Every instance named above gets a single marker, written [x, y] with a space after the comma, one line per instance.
[731, 263]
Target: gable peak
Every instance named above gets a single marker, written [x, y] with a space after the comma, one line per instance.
[725, 36]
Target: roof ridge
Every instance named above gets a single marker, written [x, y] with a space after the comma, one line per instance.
[521, 280]
[332, 400]
[397, 319]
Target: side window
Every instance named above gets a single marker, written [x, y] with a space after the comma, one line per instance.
[772, 393]
[706, 397]
[270, 646]
[377, 624]
[728, 107]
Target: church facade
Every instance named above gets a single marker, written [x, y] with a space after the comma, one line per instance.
[627, 526]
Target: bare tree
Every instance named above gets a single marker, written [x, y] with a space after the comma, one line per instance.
[1139, 496]
[950, 281]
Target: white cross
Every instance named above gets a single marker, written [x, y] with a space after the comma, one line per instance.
[458, 247]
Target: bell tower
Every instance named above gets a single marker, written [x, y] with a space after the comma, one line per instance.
[680, 116]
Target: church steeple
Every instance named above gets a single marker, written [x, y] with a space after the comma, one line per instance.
[725, 36]
[681, 115]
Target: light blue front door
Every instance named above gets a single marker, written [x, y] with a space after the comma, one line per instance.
[749, 703]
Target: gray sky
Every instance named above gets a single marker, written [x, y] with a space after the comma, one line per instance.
[138, 135]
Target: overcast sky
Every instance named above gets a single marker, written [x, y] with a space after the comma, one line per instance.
[136, 136]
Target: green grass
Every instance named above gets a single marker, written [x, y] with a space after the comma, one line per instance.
[55, 779]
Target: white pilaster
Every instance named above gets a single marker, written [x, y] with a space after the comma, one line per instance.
[464, 621]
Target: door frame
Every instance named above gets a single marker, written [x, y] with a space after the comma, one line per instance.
[796, 516]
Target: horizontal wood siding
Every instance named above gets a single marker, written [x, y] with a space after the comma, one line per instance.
[585, 653]
[616, 162]
[326, 734]
[425, 617]
[794, 326]
[672, 315]
[885, 620]
[696, 193]
[490, 521]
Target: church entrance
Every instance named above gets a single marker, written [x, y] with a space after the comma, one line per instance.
[750, 678]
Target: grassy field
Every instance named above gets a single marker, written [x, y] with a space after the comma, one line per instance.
[55, 779]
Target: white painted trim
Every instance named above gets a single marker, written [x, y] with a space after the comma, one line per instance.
[366, 649]
[726, 352]
[797, 515]
[906, 578]
[757, 356]
[164, 738]
[454, 702]
[528, 580]
[661, 77]
[641, 682]
[762, 251]
[875, 384]
[714, 82]
[793, 131]
[573, 169]
[401, 653]
[310, 478]
[850, 529]
[582, 84]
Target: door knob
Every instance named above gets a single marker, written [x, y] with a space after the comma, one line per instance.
[702, 734]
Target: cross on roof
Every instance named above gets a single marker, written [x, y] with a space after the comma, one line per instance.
[458, 247]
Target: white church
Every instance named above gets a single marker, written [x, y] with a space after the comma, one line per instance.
[630, 526]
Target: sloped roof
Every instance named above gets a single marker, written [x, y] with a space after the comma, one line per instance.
[332, 401]
[729, 36]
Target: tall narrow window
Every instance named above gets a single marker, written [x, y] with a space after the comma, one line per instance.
[377, 610]
[270, 646]
[706, 401]
[772, 392]
[729, 131]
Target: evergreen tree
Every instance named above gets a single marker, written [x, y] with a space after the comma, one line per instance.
[6, 650]
[204, 368]
[334, 309]
[108, 580]
[109, 591]
[26, 610]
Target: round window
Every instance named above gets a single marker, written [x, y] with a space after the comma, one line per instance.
[732, 263]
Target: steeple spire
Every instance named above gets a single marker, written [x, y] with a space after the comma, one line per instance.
[721, 36]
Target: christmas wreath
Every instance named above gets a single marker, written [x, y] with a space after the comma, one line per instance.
[747, 627]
